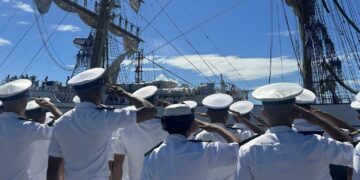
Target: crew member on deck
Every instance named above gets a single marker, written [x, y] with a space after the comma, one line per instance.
[82, 136]
[38, 111]
[282, 153]
[180, 159]
[135, 140]
[17, 133]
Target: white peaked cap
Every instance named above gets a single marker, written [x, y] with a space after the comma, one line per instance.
[76, 99]
[242, 107]
[355, 105]
[217, 101]
[191, 104]
[86, 77]
[14, 88]
[277, 92]
[306, 97]
[145, 92]
[177, 110]
[358, 96]
[33, 105]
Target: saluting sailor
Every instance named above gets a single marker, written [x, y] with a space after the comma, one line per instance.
[17, 133]
[135, 140]
[356, 164]
[82, 136]
[282, 153]
[241, 111]
[38, 111]
[178, 158]
[217, 111]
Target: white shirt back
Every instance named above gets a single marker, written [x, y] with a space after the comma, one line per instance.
[16, 137]
[39, 160]
[282, 154]
[223, 172]
[356, 161]
[179, 159]
[134, 141]
[82, 137]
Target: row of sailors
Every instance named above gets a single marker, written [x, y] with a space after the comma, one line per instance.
[93, 141]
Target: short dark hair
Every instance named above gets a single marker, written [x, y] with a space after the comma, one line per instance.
[34, 113]
[177, 124]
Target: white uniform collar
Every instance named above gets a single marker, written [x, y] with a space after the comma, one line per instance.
[174, 137]
[85, 105]
[279, 129]
[9, 115]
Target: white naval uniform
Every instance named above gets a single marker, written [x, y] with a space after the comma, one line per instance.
[179, 159]
[304, 125]
[16, 137]
[82, 137]
[356, 162]
[39, 157]
[282, 154]
[135, 140]
[221, 172]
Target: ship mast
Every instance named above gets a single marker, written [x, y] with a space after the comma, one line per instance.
[102, 29]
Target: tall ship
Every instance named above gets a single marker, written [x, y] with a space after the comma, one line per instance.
[326, 51]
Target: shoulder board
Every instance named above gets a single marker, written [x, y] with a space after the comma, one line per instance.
[25, 119]
[355, 132]
[196, 133]
[105, 107]
[51, 123]
[248, 139]
[233, 128]
[197, 141]
[355, 142]
[152, 149]
[311, 132]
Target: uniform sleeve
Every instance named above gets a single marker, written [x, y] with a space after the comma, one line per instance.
[336, 152]
[38, 131]
[54, 147]
[221, 154]
[356, 162]
[146, 170]
[242, 169]
[120, 118]
[119, 147]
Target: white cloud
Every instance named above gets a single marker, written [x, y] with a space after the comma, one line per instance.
[6, 1]
[24, 7]
[249, 68]
[4, 42]
[66, 27]
[163, 77]
[22, 23]
[283, 33]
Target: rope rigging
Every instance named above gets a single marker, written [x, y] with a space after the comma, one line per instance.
[217, 48]
[271, 39]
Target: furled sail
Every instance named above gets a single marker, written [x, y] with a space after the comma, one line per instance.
[43, 5]
[131, 45]
[135, 5]
[114, 69]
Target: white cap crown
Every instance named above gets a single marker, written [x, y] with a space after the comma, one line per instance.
[14, 88]
[191, 104]
[217, 101]
[86, 77]
[177, 110]
[306, 97]
[242, 107]
[33, 105]
[277, 92]
[145, 92]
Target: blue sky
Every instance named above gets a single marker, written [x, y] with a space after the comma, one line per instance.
[243, 35]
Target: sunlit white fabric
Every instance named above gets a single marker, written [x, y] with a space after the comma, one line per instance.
[356, 166]
[282, 153]
[179, 159]
[82, 137]
[16, 137]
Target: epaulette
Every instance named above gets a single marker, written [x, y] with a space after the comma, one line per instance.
[197, 141]
[248, 139]
[25, 119]
[105, 107]
[51, 123]
[311, 132]
[196, 133]
[152, 149]
[232, 128]
[352, 134]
